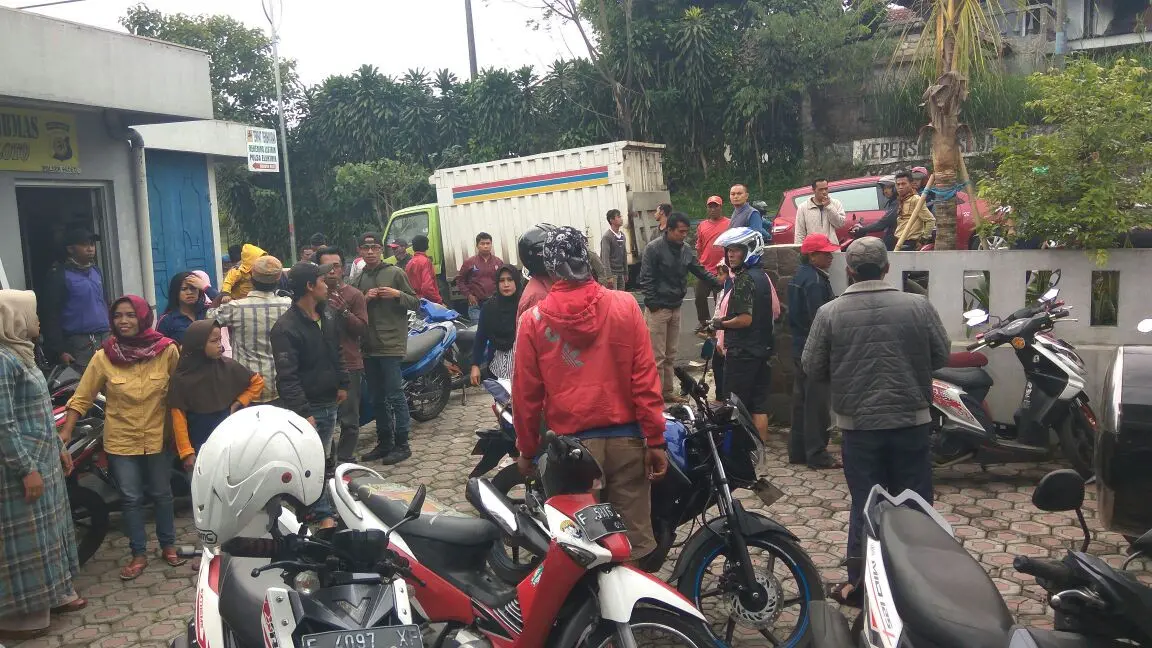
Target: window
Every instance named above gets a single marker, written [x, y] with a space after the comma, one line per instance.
[858, 198]
[407, 227]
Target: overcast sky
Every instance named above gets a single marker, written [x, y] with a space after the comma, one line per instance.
[329, 37]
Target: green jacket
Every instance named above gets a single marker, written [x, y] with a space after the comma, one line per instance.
[387, 334]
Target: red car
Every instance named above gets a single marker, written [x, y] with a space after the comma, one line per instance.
[864, 204]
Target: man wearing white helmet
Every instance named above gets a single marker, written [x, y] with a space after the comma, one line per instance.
[748, 339]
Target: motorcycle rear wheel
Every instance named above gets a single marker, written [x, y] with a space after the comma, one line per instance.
[428, 395]
[673, 628]
[1078, 442]
[90, 518]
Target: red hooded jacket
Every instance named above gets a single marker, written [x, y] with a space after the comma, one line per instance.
[583, 359]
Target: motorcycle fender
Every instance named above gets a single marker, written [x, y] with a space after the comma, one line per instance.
[623, 587]
[209, 626]
[750, 524]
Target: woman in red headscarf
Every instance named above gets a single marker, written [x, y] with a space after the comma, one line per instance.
[132, 369]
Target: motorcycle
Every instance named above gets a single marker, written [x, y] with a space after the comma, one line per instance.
[90, 511]
[582, 593]
[708, 458]
[908, 542]
[1123, 445]
[1053, 399]
[294, 589]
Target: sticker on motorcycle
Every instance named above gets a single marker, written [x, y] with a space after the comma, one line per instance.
[537, 574]
[947, 398]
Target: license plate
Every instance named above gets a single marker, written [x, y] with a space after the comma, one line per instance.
[393, 637]
[599, 520]
[767, 493]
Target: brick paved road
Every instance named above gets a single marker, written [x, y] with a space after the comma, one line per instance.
[991, 510]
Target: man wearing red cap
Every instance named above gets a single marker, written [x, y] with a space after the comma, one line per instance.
[811, 407]
[710, 255]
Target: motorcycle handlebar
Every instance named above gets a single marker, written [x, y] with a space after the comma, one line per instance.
[250, 547]
[1050, 571]
[975, 345]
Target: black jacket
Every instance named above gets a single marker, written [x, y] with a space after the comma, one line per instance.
[886, 224]
[664, 272]
[308, 367]
[807, 292]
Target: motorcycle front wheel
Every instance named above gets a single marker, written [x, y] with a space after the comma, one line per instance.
[428, 395]
[90, 519]
[782, 568]
[654, 627]
[1078, 442]
[511, 564]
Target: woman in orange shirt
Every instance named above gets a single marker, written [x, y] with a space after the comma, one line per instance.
[206, 388]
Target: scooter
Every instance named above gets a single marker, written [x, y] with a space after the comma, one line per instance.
[431, 340]
[90, 510]
[923, 589]
[292, 589]
[1054, 398]
[581, 594]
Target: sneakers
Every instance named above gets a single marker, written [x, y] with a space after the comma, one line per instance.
[377, 453]
[396, 456]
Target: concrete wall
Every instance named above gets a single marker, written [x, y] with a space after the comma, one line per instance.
[1095, 344]
[49, 60]
[222, 139]
[104, 162]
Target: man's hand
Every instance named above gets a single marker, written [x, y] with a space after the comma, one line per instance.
[189, 462]
[527, 468]
[856, 228]
[388, 292]
[475, 375]
[373, 293]
[341, 395]
[66, 461]
[656, 463]
[336, 301]
[66, 359]
[472, 301]
[33, 486]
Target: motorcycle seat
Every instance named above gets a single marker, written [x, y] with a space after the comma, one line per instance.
[453, 530]
[420, 344]
[242, 597]
[941, 593]
[970, 378]
[967, 359]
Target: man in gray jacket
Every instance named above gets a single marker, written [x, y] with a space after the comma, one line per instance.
[612, 251]
[877, 347]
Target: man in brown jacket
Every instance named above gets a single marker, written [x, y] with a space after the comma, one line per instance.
[351, 312]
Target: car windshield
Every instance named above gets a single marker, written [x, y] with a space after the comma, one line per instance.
[864, 198]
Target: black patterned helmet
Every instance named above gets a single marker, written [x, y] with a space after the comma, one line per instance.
[530, 249]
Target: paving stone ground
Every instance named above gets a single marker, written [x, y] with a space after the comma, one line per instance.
[990, 509]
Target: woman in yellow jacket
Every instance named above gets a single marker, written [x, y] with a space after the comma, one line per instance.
[133, 369]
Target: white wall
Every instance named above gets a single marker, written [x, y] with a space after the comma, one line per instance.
[1095, 344]
[104, 161]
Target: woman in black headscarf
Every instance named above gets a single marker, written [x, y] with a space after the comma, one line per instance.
[496, 332]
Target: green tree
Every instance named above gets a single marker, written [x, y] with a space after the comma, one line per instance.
[1089, 181]
[386, 185]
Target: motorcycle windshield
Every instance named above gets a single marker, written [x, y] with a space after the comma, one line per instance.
[433, 312]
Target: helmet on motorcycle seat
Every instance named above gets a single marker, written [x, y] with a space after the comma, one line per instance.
[255, 456]
[530, 249]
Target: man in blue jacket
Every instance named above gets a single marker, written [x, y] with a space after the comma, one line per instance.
[811, 414]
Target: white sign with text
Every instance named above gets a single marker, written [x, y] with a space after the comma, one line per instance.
[263, 152]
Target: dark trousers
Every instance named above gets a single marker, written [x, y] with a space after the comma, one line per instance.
[389, 402]
[349, 419]
[897, 459]
[811, 418]
[703, 311]
[718, 371]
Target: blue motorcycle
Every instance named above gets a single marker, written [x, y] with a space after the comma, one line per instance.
[427, 381]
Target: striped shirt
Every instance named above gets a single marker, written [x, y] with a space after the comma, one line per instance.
[250, 322]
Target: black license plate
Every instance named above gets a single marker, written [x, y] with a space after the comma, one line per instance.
[599, 520]
[393, 637]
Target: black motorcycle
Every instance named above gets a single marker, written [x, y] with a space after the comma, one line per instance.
[720, 567]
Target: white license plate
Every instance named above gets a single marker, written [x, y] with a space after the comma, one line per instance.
[392, 637]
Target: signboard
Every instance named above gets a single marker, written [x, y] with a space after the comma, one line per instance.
[35, 140]
[891, 150]
[263, 153]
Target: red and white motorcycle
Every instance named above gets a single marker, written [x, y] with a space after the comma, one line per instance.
[582, 594]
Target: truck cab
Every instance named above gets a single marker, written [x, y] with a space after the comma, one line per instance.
[407, 223]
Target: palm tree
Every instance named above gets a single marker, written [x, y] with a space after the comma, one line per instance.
[957, 37]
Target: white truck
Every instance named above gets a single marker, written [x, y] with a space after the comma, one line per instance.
[504, 198]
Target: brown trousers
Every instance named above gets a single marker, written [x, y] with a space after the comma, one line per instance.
[626, 487]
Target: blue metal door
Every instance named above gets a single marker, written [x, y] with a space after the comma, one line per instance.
[180, 212]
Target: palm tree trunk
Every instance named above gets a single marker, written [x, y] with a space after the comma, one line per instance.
[944, 99]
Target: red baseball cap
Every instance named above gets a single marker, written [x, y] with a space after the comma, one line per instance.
[714, 199]
[818, 243]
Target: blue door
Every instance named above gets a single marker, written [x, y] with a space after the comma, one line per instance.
[180, 212]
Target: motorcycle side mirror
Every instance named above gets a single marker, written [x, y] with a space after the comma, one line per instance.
[417, 503]
[974, 313]
[976, 320]
[1145, 326]
[1063, 490]
[1050, 295]
[709, 347]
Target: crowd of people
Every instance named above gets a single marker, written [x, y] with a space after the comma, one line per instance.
[589, 360]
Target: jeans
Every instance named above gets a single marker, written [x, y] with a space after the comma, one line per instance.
[811, 418]
[897, 459]
[474, 311]
[325, 416]
[349, 417]
[136, 476]
[389, 401]
[664, 330]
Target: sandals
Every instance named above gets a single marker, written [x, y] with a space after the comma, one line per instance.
[835, 591]
[134, 568]
[74, 605]
[172, 557]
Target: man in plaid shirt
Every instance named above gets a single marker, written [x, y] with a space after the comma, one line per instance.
[250, 320]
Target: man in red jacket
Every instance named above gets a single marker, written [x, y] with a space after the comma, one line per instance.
[583, 360]
[421, 273]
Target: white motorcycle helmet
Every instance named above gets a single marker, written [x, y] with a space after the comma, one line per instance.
[746, 237]
[255, 455]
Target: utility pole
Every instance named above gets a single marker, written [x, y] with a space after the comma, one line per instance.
[471, 39]
[1061, 33]
[270, 7]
